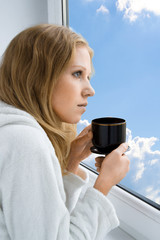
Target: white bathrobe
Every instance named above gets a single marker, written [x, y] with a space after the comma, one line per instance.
[36, 202]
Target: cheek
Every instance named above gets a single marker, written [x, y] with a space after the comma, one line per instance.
[62, 100]
[65, 97]
[67, 93]
[58, 93]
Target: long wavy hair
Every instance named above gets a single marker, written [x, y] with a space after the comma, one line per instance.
[29, 71]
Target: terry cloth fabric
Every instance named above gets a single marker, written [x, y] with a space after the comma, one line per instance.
[36, 202]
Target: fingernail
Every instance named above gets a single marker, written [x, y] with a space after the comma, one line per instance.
[126, 145]
[128, 149]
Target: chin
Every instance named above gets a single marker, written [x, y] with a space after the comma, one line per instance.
[73, 120]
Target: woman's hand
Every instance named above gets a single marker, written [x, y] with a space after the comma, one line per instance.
[112, 168]
[80, 149]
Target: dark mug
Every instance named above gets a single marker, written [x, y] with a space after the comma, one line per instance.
[108, 134]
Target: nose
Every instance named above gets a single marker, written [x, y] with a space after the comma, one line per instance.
[88, 91]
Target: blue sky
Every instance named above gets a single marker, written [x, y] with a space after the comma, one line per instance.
[125, 36]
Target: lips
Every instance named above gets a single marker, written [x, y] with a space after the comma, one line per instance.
[82, 105]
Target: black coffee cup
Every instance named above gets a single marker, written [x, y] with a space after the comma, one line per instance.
[108, 134]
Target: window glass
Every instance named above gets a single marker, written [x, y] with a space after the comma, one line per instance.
[125, 37]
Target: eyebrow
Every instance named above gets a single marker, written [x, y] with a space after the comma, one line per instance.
[79, 66]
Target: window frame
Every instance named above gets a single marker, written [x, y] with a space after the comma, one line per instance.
[132, 192]
[55, 12]
[58, 12]
[139, 216]
[65, 13]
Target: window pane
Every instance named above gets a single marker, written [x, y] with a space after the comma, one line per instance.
[125, 37]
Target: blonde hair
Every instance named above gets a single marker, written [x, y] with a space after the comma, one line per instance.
[30, 68]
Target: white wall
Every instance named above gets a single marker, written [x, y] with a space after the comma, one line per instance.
[16, 15]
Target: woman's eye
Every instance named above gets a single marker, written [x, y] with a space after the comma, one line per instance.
[77, 74]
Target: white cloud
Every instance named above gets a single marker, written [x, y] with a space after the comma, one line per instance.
[102, 9]
[141, 154]
[149, 189]
[134, 8]
[153, 194]
[153, 161]
[140, 171]
[82, 124]
[141, 146]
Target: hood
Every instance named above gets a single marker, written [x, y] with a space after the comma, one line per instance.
[12, 115]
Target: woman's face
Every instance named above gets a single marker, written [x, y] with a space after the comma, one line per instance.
[69, 99]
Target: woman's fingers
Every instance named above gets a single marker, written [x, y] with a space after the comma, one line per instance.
[122, 148]
[98, 163]
[98, 169]
[85, 131]
[85, 137]
[99, 159]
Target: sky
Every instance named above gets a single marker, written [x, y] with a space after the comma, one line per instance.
[125, 37]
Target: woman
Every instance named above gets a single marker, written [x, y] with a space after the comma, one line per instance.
[44, 87]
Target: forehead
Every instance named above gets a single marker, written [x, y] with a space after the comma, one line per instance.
[80, 56]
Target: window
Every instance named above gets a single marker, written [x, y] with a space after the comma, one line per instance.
[125, 37]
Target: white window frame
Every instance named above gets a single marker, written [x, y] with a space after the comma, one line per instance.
[58, 12]
[137, 218]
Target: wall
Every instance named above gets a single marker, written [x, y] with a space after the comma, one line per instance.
[16, 15]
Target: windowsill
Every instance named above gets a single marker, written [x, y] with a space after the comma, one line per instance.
[118, 234]
[138, 220]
